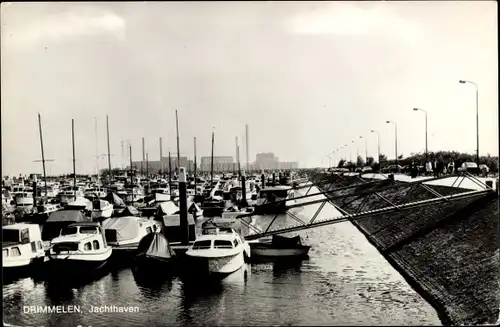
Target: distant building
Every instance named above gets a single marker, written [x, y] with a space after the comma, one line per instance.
[156, 166]
[266, 161]
[221, 163]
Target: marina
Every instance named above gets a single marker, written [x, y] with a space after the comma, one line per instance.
[250, 164]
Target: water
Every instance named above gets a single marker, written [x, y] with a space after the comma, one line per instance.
[345, 281]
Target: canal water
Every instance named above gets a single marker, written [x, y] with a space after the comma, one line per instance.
[345, 281]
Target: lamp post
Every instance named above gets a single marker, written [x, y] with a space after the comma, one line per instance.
[426, 149]
[378, 143]
[366, 149]
[477, 116]
[395, 138]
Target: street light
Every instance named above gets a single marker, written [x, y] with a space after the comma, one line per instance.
[378, 143]
[366, 149]
[426, 149]
[477, 116]
[395, 138]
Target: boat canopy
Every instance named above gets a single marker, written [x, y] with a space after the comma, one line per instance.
[114, 199]
[129, 211]
[66, 215]
[281, 241]
[222, 223]
[175, 220]
[167, 208]
[126, 227]
[155, 246]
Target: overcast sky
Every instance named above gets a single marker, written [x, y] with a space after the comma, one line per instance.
[306, 77]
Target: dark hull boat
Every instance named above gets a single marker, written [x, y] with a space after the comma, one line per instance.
[154, 255]
[280, 246]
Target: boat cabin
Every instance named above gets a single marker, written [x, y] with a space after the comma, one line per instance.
[276, 193]
[75, 237]
[20, 244]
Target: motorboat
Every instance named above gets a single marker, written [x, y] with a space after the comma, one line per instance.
[161, 194]
[58, 220]
[80, 203]
[24, 200]
[274, 199]
[195, 210]
[101, 209]
[95, 192]
[279, 246]
[123, 234]
[218, 252]
[22, 247]
[80, 248]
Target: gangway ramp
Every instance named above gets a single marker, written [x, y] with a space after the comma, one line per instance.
[350, 202]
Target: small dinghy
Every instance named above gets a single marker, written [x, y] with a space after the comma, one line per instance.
[279, 246]
[154, 254]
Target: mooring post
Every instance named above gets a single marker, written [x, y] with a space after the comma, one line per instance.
[183, 207]
[244, 190]
[263, 179]
[274, 179]
[35, 191]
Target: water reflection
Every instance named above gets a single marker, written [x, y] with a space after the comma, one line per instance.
[152, 286]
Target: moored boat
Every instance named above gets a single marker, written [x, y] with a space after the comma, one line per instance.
[81, 248]
[154, 254]
[218, 252]
[21, 247]
[279, 246]
[101, 209]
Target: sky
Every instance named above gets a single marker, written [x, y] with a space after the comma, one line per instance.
[307, 78]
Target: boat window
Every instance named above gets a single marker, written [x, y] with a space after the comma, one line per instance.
[66, 246]
[154, 228]
[88, 230]
[69, 231]
[148, 230]
[10, 235]
[25, 236]
[15, 252]
[200, 245]
[5, 253]
[223, 244]
[87, 246]
[236, 242]
[39, 245]
[33, 246]
[95, 243]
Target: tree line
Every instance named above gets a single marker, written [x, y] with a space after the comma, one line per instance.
[419, 158]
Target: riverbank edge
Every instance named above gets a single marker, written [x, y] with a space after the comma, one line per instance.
[429, 291]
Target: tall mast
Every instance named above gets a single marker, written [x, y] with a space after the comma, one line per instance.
[177, 128]
[74, 165]
[169, 172]
[212, 163]
[96, 150]
[109, 154]
[195, 165]
[130, 152]
[161, 156]
[43, 156]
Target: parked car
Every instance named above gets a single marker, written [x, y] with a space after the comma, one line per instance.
[470, 167]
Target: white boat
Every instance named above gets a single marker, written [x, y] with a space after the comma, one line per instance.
[48, 208]
[80, 203]
[95, 192]
[21, 246]
[125, 233]
[219, 252]
[161, 194]
[101, 209]
[24, 199]
[80, 248]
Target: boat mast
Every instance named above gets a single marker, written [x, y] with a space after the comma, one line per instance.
[43, 156]
[130, 151]
[195, 165]
[212, 163]
[74, 165]
[169, 172]
[177, 129]
[96, 150]
[161, 161]
[109, 155]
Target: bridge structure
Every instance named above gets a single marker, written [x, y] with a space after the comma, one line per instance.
[350, 194]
